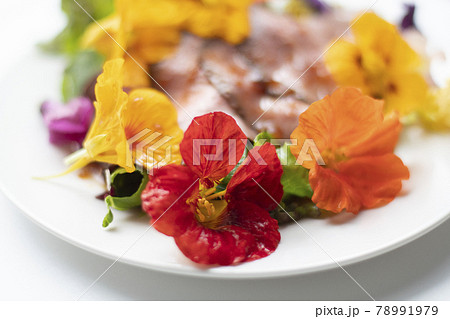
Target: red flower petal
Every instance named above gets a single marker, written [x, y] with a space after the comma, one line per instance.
[258, 222]
[212, 147]
[263, 166]
[251, 234]
[226, 246]
[165, 195]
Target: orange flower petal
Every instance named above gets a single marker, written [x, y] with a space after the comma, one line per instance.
[345, 118]
[357, 145]
[332, 192]
[382, 141]
[376, 178]
[363, 182]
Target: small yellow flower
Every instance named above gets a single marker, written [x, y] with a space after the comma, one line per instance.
[145, 115]
[380, 63]
[298, 8]
[435, 114]
[226, 19]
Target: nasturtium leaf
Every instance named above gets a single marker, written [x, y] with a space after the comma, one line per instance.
[67, 41]
[262, 138]
[294, 208]
[108, 219]
[126, 189]
[295, 178]
[81, 69]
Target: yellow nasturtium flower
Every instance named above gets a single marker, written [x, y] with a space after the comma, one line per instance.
[435, 114]
[226, 19]
[148, 30]
[380, 63]
[137, 128]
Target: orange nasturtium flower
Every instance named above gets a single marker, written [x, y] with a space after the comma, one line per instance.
[144, 116]
[356, 143]
[380, 63]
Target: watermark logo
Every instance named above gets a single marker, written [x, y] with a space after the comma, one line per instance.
[309, 153]
[213, 150]
[152, 149]
[147, 146]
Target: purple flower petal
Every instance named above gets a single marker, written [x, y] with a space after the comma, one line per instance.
[408, 19]
[68, 123]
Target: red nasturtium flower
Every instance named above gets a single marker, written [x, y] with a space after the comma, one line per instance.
[212, 227]
[356, 143]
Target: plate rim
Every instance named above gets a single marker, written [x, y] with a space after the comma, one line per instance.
[198, 273]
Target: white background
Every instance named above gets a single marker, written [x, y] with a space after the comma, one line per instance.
[36, 265]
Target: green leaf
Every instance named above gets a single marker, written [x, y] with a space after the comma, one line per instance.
[127, 189]
[108, 219]
[294, 208]
[67, 41]
[82, 68]
[296, 202]
[223, 184]
[261, 138]
[295, 178]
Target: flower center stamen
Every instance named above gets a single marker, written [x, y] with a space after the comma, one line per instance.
[211, 208]
[209, 192]
[215, 195]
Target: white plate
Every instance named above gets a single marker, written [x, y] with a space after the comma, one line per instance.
[67, 208]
